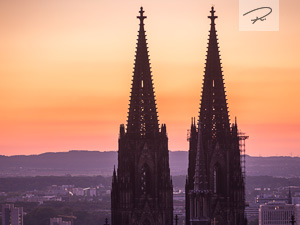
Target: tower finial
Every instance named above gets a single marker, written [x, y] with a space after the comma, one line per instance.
[141, 16]
[212, 16]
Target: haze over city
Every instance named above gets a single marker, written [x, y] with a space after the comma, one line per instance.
[66, 69]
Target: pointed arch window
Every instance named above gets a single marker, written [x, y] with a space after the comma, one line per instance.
[217, 178]
[145, 179]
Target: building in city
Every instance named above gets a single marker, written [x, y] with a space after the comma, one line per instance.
[297, 214]
[215, 188]
[266, 198]
[78, 191]
[59, 221]
[275, 213]
[142, 190]
[296, 200]
[252, 211]
[12, 215]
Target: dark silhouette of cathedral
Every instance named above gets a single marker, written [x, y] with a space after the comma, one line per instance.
[215, 192]
[142, 190]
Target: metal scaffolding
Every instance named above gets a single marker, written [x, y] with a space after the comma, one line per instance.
[242, 144]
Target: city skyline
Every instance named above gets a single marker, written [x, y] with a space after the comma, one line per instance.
[66, 69]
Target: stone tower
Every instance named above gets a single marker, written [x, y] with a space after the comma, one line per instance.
[142, 190]
[215, 191]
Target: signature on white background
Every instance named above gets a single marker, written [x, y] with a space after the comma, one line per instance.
[261, 18]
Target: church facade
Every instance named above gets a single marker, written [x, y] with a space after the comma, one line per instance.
[142, 190]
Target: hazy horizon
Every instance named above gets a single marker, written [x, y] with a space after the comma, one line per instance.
[85, 150]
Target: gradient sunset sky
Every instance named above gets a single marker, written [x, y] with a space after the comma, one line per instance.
[66, 69]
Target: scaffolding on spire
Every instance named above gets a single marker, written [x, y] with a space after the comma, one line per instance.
[242, 144]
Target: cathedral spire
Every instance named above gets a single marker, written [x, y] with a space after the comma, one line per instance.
[213, 110]
[114, 176]
[215, 188]
[142, 189]
[142, 117]
[200, 179]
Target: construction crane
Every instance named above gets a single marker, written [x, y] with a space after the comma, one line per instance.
[69, 217]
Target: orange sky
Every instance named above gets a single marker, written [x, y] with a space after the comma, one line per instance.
[66, 67]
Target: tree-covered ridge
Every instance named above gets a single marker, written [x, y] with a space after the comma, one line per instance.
[93, 163]
[18, 184]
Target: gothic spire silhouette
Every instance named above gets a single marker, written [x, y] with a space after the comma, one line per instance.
[213, 109]
[142, 116]
[198, 196]
[200, 179]
[142, 190]
[215, 182]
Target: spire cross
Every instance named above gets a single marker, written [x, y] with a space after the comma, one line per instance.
[212, 16]
[141, 16]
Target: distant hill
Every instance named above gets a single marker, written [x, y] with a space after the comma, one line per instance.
[102, 163]
[277, 166]
[59, 163]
